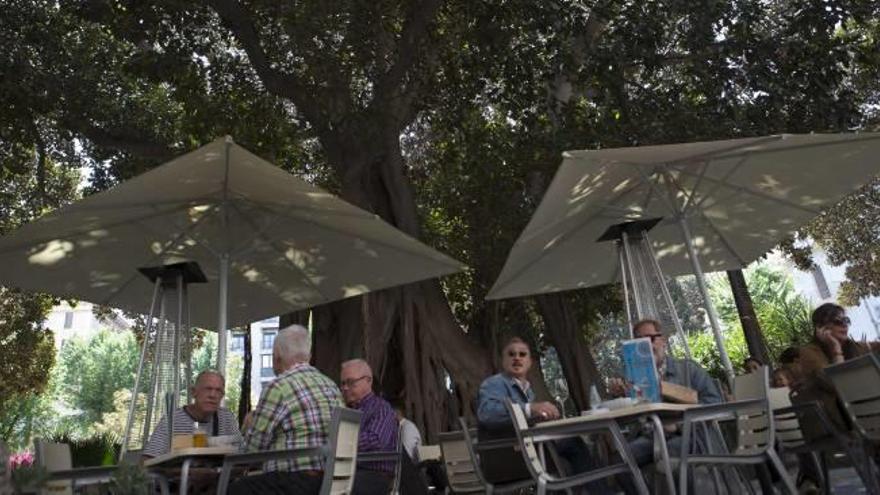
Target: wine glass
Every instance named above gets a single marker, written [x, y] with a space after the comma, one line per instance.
[561, 394]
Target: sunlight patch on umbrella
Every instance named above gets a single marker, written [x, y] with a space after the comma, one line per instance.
[52, 252]
[354, 290]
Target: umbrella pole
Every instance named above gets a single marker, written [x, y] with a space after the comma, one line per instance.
[622, 256]
[701, 284]
[221, 316]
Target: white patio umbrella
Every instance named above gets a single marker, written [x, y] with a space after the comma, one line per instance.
[268, 242]
[722, 203]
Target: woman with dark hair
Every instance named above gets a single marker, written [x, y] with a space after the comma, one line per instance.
[831, 344]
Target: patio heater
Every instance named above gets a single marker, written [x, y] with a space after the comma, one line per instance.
[167, 347]
[645, 292]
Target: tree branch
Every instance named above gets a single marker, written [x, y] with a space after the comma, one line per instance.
[240, 22]
[391, 90]
[123, 140]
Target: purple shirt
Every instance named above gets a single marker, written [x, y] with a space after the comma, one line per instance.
[378, 430]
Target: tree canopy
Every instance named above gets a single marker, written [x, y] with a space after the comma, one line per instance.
[446, 118]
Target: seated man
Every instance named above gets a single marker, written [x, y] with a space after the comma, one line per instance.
[682, 372]
[208, 391]
[378, 433]
[294, 411]
[494, 420]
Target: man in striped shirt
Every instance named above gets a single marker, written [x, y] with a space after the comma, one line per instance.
[378, 431]
[208, 391]
[293, 412]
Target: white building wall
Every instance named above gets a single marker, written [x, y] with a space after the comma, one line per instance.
[66, 321]
[865, 322]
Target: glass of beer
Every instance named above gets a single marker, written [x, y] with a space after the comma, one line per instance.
[200, 435]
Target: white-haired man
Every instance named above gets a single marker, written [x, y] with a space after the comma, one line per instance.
[293, 412]
[207, 393]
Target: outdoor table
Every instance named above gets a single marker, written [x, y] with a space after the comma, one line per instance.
[184, 458]
[656, 412]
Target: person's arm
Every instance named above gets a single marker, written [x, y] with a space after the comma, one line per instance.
[378, 431]
[261, 433]
[707, 391]
[491, 409]
[159, 443]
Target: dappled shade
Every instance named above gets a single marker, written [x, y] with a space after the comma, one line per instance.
[291, 245]
[739, 197]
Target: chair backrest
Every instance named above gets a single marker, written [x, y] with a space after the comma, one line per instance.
[469, 442]
[858, 385]
[788, 426]
[529, 449]
[341, 460]
[461, 472]
[754, 425]
[53, 457]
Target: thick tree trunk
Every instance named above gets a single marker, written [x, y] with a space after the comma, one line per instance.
[752, 330]
[408, 334]
[564, 333]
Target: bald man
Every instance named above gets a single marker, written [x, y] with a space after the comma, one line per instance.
[378, 426]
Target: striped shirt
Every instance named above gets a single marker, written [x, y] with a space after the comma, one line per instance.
[184, 423]
[293, 412]
[378, 431]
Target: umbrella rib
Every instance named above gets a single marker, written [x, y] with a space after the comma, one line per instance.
[759, 194]
[164, 248]
[262, 235]
[343, 232]
[81, 232]
[716, 185]
[693, 192]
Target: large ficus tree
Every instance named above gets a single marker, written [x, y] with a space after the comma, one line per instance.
[369, 97]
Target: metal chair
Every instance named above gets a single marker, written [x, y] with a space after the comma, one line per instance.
[461, 472]
[821, 443]
[857, 382]
[476, 448]
[532, 440]
[754, 425]
[340, 455]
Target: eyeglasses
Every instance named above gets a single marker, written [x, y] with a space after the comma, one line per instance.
[521, 354]
[843, 321]
[653, 336]
[352, 381]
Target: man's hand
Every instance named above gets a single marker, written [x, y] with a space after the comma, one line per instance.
[617, 387]
[826, 337]
[543, 411]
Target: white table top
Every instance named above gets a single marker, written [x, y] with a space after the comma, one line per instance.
[180, 454]
[624, 412]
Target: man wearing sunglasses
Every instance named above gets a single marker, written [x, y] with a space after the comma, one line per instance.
[505, 465]
[682, 372]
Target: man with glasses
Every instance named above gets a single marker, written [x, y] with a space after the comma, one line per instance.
[505, 465]
[378, 431]
[682, 372]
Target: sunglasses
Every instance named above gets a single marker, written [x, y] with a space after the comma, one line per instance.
[520, 354]
[843, 321]
[653, 336]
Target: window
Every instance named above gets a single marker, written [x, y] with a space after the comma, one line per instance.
[68, 319]
[821, 283]
[237, 343]
[268, 339]
[266, 365]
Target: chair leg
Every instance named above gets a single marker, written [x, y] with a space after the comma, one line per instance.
[822, 459]
[627, 457]
[783, 473]
[683, 462]
[542, 487]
